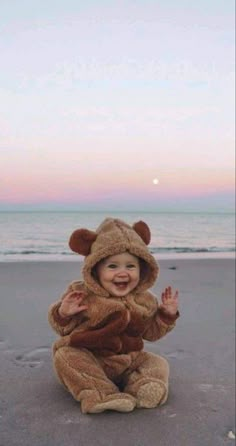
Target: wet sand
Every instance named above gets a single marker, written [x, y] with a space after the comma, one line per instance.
[36, 410]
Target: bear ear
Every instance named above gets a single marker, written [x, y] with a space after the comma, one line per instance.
[143, 231]
[81, 241]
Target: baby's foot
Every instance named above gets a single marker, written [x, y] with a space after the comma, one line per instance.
[121, 402]
[151, 394]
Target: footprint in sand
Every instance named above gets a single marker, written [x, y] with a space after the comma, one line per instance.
[33, 358]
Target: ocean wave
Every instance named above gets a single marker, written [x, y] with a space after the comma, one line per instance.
[34, 252]
[186, 249]
[153, 250]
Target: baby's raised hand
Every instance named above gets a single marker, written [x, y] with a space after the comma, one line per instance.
[71, 304]
[170, 301]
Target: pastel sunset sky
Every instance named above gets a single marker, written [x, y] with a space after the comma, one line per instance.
[99, 98]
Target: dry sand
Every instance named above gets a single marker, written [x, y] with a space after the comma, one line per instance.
[36, 410]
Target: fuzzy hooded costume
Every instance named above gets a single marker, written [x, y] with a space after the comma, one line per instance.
[99, 356]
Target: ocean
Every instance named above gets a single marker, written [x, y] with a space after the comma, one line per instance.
[43, 236]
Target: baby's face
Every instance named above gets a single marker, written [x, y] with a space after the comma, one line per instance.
[119, 274]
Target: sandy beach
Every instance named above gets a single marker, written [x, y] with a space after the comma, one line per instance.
[36, 410]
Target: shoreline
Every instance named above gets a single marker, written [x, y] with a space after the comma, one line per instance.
[158, 257]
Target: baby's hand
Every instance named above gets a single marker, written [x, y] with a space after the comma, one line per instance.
[71, 304]
[170, 301]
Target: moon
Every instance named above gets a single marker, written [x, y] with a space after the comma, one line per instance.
[155, 181]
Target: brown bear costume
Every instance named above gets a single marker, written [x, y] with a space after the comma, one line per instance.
[99, 357]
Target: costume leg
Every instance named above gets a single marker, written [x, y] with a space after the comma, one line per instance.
[147, 380]
[84, 378]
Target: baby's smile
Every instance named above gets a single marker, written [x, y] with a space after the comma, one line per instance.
[121, 285]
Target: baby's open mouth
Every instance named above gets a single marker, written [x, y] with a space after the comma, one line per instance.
[121, 284]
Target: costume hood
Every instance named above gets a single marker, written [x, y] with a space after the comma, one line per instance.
[113, 237]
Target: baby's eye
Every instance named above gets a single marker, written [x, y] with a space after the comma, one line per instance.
[111, 265]
[131, 265]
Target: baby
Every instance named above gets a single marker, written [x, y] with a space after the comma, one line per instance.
[104, 319]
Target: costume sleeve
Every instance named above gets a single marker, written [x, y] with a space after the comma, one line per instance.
[160, 324]
[63, 326]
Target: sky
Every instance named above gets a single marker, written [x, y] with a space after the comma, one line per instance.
[100, 98]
